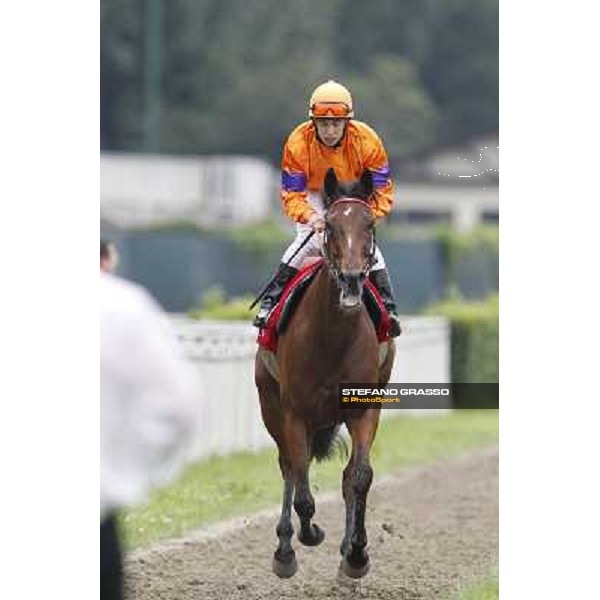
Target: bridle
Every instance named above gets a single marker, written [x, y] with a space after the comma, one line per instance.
[333, 267]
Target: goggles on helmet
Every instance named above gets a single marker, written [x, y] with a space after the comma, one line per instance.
[330, 110]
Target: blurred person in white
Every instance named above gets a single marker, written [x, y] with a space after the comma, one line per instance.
[109, 257]
[149, 409]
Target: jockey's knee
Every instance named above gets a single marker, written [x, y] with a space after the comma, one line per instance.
[379, 261]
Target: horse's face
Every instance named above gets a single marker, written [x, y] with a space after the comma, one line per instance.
[349, 244]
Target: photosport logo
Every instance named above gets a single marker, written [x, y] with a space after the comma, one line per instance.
[418, 395]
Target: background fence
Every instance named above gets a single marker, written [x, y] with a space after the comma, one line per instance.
[178, 266]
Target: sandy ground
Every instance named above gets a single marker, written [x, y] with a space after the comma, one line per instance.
[430, 530]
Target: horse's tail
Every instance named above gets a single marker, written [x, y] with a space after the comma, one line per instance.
[326, 441]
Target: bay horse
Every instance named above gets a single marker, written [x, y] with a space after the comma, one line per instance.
[330, 339]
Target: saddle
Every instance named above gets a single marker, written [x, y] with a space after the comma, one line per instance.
[280, 316]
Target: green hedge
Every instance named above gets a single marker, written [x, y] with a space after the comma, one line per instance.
[477, 249]
[474, 338]
[215, 305]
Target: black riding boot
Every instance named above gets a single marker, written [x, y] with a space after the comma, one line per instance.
[270, 299]
[381, 281]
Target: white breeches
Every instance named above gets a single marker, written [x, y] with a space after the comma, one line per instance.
[315, 244]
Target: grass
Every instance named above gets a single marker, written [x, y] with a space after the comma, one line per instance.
[222, 487]
[488, 589]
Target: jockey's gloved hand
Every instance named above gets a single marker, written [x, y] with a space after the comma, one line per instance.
[317, 222]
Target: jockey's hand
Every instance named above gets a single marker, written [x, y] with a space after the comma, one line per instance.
[317, 223]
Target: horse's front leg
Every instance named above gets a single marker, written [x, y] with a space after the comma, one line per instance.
[355, 562]
[356, 555]
[310, 534]
[348, 494]
[284, 559]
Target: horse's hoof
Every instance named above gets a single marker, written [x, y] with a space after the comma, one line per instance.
[285, 570]
[354, 572]
[314, 538]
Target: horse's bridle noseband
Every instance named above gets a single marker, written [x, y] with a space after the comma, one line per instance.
[333, 267]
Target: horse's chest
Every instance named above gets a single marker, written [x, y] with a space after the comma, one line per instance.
[325, 371]
[318, 403]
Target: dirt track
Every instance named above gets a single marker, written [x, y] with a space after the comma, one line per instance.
[430, 529]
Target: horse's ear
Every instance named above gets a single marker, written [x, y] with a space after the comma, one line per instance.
[331, 187]
[366, 182]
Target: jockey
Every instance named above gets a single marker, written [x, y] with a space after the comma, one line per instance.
[331, 138]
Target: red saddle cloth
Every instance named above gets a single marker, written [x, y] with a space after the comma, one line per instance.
[269, 336]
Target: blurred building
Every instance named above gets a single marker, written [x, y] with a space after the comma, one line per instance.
[456, 185]
[140, 189]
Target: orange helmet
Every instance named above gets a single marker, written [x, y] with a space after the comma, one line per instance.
[330, 100]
